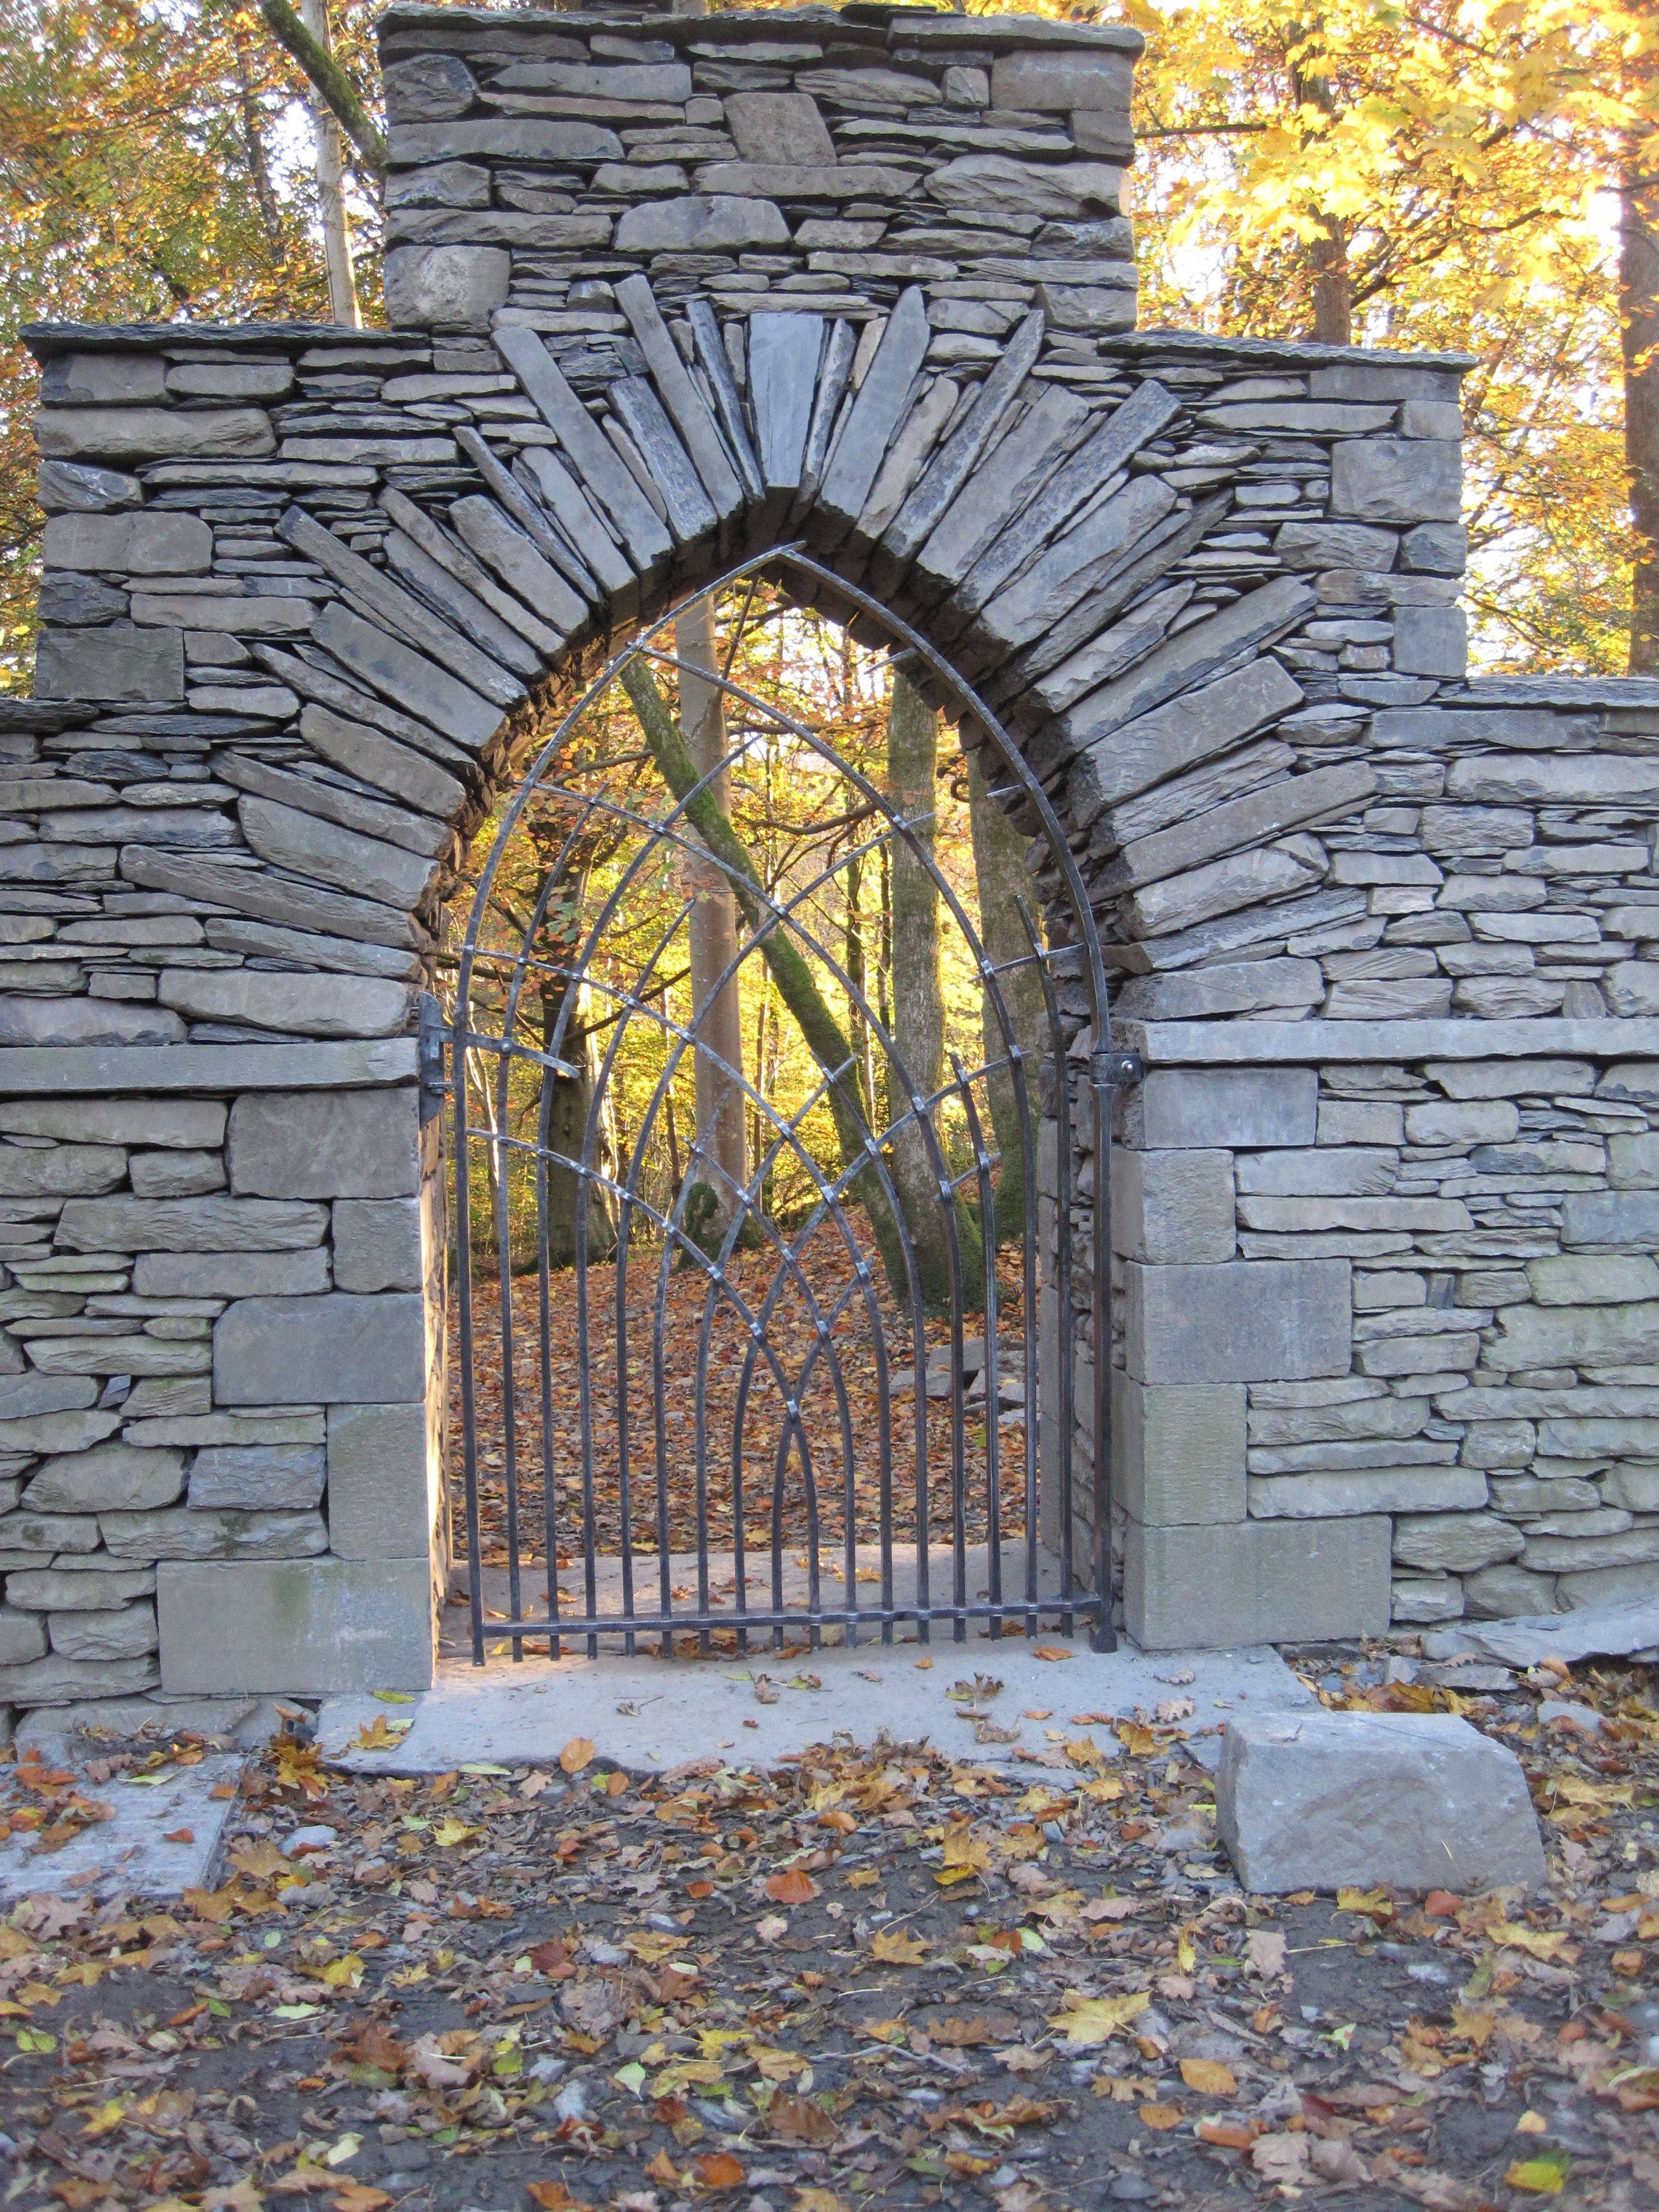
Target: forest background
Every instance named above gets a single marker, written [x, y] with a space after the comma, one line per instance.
[1479, 175]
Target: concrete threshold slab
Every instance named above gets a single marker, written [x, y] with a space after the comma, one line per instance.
[137, 1851]
[648, 1715]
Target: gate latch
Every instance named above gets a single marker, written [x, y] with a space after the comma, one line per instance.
[1121, 1070]
[429, 1058]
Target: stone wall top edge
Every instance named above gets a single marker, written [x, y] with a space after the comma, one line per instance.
[46, 339]
[1305, 353]
[1266, 1044]
[1563, 691]
[902, 26]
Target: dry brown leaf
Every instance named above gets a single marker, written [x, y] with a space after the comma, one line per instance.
[577, 1754]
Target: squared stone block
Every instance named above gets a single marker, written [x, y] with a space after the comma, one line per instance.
[384, 1480]
[1431, 641]
[1190, 1107]
[302, 1627]
[120, 663]
[445, 287]
[339, 1349]
[1259, 1581]
[1244, 1321]
[1400, 1801]
[1173, 1205]
[1178, 1451]
[1397, 479]
[325, 1144]
[378, 1244]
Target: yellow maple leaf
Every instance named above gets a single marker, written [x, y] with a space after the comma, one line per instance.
[893, 1948]
[1089, 2020]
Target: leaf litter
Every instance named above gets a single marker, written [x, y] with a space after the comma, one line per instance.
[878, 1975]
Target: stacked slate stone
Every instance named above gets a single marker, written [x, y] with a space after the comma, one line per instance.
[678, 290]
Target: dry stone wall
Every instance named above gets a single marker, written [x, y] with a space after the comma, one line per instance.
[670, 291]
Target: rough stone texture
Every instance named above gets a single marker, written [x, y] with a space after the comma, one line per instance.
[349, 1350]
[1257, 1580]
[1179, 1452]
[384, 1477]
[1386, 940]
[1398, 1800]
[296, 1626]
[1241, 1322]
[319, 1144]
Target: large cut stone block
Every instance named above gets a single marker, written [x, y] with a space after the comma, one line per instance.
[1178, 1451]
[120, 664]
[1397, 479]
[1241, 1106]
[378, 1244]
[1258, 1582]
[384, 1480]
[312, 1005]
[1245, 1321]
[446, 287]
[335, 1350]
[1173, 1205]
[1400, 1801]
[303, 1627]
[156, 543]
[325, 1144]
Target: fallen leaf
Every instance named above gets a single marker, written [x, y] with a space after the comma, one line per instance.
[1209, 2077]
[1543, 2176]
[1052, 1652]
[718, 2169]
[1089, 2021]
[360, 2196]
[180, 1836]
[893, 1948]
[1264, 1948]
[798, 2120]
[577, 1754]
[794, 1886]
[1159, 2118]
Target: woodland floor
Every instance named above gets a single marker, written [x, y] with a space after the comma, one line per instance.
[874, 1979]
[791, 1335]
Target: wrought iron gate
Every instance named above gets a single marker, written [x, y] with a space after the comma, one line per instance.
[804, 1395]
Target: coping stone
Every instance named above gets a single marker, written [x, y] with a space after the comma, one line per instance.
[1403, 1801]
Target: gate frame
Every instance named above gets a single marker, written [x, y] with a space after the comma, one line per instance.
[1108, 1070]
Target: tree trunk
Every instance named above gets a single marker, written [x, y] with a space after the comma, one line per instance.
[718, 1154]
[918, 999]
[1327, 254]
[330, 198]
[1004, 881]
[254, 139]
[1638, 317]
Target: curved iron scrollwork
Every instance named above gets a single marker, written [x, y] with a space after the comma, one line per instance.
[819, 1392]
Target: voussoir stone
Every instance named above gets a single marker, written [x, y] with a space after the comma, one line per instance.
[117, 1477]
[1404, 1801]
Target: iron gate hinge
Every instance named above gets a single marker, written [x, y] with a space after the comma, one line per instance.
[1118, 1070]
[429, 1058]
